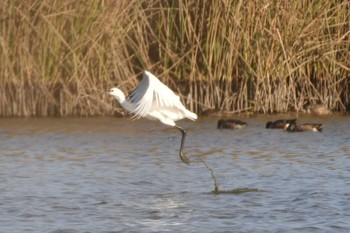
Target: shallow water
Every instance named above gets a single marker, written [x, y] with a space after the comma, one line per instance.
[119, 175]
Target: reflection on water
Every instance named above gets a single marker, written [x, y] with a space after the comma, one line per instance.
[119, 175]
[236, 191]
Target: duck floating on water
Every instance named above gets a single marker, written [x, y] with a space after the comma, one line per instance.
[314, 127]
[231, 124]
[279, 124]
[318, 109]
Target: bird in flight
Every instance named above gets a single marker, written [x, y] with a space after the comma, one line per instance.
[154, 100]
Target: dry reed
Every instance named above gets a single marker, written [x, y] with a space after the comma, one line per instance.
[57, 57]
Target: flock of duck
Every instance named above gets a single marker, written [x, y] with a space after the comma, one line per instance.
[289, 125]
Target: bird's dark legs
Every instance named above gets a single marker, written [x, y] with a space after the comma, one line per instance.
[182, 156]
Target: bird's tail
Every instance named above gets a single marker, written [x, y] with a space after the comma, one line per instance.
[319, 128]
[190, 115]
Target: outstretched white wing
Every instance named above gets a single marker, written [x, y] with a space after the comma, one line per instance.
[151, 94]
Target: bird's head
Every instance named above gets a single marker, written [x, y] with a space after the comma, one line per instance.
[117, 93]
[269, 125]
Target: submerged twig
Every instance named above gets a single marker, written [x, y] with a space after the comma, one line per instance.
[216, 183]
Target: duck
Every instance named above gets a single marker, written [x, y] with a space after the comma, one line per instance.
[314, 127]
[318, 109]
[231, 124]
[279, 124]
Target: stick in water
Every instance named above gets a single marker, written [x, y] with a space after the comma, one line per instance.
[216, 183]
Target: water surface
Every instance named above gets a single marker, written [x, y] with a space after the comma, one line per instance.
[119, 175]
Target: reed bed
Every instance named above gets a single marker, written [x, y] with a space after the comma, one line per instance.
[59, 57]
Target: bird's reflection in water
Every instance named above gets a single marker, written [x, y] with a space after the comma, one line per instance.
[236, 191]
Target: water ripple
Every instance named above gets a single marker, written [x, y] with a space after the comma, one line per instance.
[118, 175]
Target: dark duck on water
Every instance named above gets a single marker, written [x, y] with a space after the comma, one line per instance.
[231, 124]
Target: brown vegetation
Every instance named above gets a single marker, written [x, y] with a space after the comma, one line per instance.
[57, 57]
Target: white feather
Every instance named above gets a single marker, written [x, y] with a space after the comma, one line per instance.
[154, 100]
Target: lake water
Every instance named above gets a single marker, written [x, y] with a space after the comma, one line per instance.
[118, 175]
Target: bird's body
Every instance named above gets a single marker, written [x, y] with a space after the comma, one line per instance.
[279, 124]
[154, 100]
[314, 127]
[231, 124]
[318, 109]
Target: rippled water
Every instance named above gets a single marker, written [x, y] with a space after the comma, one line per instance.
[119, 175]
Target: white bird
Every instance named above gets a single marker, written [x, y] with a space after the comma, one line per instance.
[154, 100]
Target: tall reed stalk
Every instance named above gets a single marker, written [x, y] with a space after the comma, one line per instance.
[59, 57]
